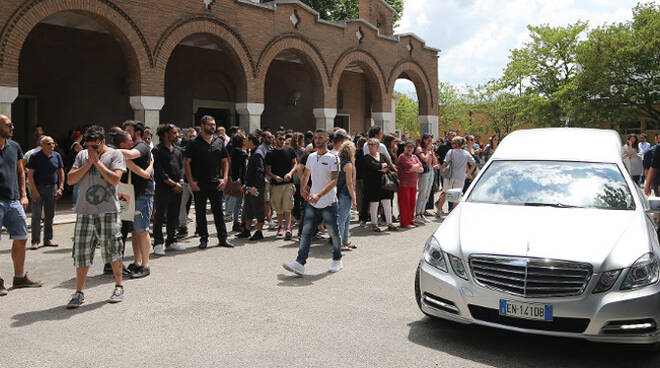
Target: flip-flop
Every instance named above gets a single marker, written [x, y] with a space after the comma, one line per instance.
[346, 248]
[377, 230]
[51, 245]
[34, 247]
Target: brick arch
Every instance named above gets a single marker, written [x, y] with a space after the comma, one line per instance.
[374, 72]
[201, 24]
[410, 69]
[309, 52]
[105, 12]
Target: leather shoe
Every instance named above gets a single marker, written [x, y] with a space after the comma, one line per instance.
[226, 244]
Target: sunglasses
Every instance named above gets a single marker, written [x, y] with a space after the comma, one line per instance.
[371, 144]
[93, 146]
[51, 143]
[280, 138]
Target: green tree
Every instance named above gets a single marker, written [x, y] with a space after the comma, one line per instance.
[502, 110]
[542, 73]
[346, 9]
[407, 114]
[452, 107]
[621, 69]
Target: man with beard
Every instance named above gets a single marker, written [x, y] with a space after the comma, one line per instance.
[203, 159]
[13, 201]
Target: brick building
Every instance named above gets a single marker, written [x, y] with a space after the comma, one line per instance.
[66, 63]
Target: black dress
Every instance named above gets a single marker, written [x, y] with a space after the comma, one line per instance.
[373, 179]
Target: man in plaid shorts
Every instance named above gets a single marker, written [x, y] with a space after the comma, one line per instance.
[98, 169]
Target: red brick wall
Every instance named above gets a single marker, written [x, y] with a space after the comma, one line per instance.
[148, 31]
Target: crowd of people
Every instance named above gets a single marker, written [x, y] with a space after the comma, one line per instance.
[299, 185]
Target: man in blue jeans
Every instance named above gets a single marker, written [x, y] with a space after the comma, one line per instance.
[323, 168]
[13, 199]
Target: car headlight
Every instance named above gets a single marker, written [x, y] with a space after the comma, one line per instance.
[606, 281]
[457, 266]
[434, 255]
[642, 273]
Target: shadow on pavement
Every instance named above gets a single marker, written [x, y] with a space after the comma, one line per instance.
[500, 348]
[92, 281]
[58, 313]
[291, 280]
[59, 250]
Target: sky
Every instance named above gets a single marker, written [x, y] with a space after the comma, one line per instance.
[476, 36]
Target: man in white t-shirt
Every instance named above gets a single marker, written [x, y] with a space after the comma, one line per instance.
[323, 168]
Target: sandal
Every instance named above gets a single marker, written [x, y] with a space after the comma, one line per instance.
[392, 228]
[377, 230]
[353, 246]
[346, 248]
[34, 246]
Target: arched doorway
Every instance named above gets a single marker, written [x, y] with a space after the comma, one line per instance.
[359, 87]
[292, 90]
[75, 68]
[204, 76]
[415, 112]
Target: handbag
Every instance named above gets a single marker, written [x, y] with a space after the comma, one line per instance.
[126, 196]
[234, 188]
[390, 181]
[446, 171]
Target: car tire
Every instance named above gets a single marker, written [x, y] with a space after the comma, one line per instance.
[418, 294]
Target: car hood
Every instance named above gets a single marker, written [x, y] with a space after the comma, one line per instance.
[607, 239]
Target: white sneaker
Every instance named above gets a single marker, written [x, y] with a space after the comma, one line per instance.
[335, 266]
[424, 219]
[272, 225]
[176, 246]
[159, 250]
[294, 267]
[419, 221]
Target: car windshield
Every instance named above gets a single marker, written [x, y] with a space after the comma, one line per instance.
[554, 183]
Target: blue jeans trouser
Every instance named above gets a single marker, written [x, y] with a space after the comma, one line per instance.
[234, 208]
[344, 218]
[312, 219]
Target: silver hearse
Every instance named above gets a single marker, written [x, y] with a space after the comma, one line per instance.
[553, 237]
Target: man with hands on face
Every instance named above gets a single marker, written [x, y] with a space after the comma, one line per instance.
[13, 202]
[203, 159]
[168, 173]
[46, 178]
[98, 169]
[323, 168]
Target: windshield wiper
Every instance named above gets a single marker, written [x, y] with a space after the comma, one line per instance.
[557, 205]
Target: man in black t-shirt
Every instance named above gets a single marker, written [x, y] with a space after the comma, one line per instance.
[13, 201]
[204, 158]
[280, 167]
[140, 172]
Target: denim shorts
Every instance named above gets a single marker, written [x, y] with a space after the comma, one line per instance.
[144, 205]
[13, 218]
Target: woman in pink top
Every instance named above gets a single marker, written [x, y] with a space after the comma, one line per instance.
[409, 166]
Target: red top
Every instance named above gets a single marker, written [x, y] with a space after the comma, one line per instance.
[404, 163]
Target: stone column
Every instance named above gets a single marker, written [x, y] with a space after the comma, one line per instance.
[325, 118]
[385, 121]
[7, 97]
[250, 115]
[428, 124]
[147, 110]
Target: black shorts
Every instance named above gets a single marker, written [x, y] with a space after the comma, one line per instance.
[254, 206]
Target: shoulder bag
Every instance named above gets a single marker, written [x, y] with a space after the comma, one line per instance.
[126, 196]
[390, 181]
[446, 171]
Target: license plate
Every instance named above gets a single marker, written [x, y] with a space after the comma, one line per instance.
[535, 311]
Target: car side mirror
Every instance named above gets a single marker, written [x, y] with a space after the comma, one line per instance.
[654, 204]
[454, 195]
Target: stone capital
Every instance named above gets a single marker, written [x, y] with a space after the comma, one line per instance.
[8, 94]
[250, 108]
[147, 103]
[324, 113]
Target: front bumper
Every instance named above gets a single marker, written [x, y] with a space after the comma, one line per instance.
[588, 316]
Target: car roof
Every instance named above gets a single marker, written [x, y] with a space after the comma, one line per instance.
[561, 144]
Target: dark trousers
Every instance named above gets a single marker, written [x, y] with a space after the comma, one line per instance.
[47, 201]
[209, 191]
[167, 204]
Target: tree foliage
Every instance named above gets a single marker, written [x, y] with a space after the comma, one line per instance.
[407, 114]
[346, 9]
[621, 69]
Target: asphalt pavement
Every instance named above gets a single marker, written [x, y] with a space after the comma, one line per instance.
[238, 307]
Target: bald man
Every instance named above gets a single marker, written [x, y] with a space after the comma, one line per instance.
[13, 201]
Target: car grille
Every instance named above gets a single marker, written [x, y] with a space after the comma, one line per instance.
[530, 277]
[560, 324]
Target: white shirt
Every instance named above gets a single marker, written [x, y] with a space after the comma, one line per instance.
[644, 146]
[459, 159]
[321, 168]
[381, 149]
